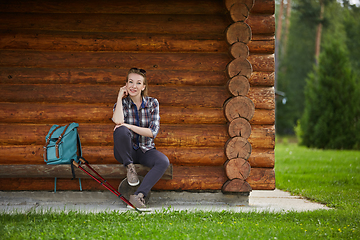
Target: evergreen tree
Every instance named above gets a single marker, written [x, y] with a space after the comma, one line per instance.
[331, 116]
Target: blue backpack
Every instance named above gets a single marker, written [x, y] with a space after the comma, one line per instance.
[62, 144]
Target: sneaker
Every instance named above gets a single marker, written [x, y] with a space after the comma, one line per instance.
[132, 176]
[139, 202]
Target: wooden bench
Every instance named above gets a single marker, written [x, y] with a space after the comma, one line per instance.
[107, 171]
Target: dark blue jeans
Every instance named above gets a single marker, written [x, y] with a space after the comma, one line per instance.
[126, 154]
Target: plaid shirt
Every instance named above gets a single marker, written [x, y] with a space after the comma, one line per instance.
[147, 116]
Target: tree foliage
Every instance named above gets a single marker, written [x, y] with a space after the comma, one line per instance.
[331, 116]
[341, 22]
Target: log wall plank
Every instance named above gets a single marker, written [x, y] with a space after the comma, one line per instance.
[190, 156]
[76, 41]
[164, 23]
[117, 7]
[197, 135]
[14, 75]
[107, 171]
[118, 23]
[184, 178]
[115, 60]
[263, 97]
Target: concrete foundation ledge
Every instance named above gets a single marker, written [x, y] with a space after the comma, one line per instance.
[196, 198]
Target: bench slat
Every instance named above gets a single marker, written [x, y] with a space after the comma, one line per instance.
[107, 171]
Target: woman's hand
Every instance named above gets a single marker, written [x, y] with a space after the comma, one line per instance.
[139, 130]
[124, 124]
[122, 92]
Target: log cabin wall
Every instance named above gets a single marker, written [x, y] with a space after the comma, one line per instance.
[64, 61]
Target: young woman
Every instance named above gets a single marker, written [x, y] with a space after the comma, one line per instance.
[137, 122]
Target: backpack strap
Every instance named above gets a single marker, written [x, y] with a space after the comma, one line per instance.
[58, 141]
[48, 141]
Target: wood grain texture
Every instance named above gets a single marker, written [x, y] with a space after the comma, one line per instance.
[238, 32]
[187, 96]
[262, 179]
[187, 156]
[115, 60]
[230, 3]
[63, 61]
[238, 86]
[80, 41]
[107, 171]
[115, 7]
[239, 106]
[239, 12]
[116, 23]
[184, 178]
[237, 147]
[264, 7]
[15, 75]
[239, 127]
[236, 186]
[237, 168]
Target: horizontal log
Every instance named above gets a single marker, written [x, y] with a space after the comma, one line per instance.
[236, 186]
[262, 158]
[115, 60]
[10, 75]
[102, 113]
[107, 171]
[262, 97]
[262, 79]
[205, 24]
[184, 178]
[99, 61]
[177, 135]
[262, 37]
[262, 136]
[76, 41]
[262, 179]
[212, 97]
[102, 134]
[261, 46]
[117, 23]
[14, 75]
[262, 62]
[195, 156]
[186, 96]
[261, 24]
[263, 116]
[190, 156]
[114, 7]
[264, 7]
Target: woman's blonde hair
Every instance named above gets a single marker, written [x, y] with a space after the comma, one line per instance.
[142, 73]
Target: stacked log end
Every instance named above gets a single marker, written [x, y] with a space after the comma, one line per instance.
[240, 109]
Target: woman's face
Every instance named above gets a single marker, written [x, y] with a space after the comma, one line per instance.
[135, 84]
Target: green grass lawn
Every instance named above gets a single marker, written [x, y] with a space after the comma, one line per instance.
[330, 177]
